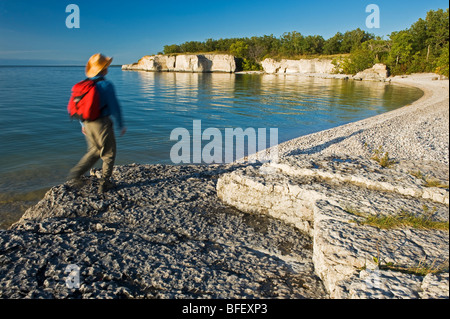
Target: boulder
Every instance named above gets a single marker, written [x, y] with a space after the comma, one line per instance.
[378, 72]
[221, 62]
[271, 66]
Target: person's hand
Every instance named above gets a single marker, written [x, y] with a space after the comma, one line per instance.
[123, 131]
[83, 130]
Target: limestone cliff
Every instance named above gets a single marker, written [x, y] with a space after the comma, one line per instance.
[185, 63]
[272, 66]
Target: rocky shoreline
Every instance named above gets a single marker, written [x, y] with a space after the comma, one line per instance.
[162, 233]
[328, 183]
[226, 63]
[247, 230]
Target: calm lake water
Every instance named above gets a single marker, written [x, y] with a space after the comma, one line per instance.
[39, 143]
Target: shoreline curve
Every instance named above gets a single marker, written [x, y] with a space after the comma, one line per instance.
[165, 234]
[328, 183]
[387, 129]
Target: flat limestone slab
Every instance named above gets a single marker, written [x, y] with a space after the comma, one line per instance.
[161, 233]
[319, 195]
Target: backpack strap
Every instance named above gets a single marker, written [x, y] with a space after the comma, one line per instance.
[99, 79]
[96, 80]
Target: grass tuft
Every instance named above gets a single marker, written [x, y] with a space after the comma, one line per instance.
[429, 181]
[402, 219]
[382, 158]
[422, 269]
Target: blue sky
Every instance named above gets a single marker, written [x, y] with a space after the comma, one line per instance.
[35, 32]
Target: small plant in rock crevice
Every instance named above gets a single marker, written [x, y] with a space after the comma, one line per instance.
[429, 181]
[401, 219]
[382, 158]
[404, 219]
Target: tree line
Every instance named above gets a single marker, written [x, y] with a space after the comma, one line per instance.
[291, 45]
[424, 47]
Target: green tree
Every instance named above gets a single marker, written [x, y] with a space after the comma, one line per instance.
[333, 45]
[442, 63]
[313, 44]
[378, 47]
[292, 44]
[239, 49]
[421, 48]
[173, 48]
[359, 60]
[259, 47]
[419, 35]
[437, 28]
[210, 45]
[401, 51]
[353, 39]
[192, 47]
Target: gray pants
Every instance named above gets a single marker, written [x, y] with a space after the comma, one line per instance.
[101, 145]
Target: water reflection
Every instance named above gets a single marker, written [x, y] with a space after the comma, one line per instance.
[184, 90]
[265, 95]
[154, 104]
[295, 105]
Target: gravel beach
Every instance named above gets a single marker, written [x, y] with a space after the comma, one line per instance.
[417, 132]
[328, 183]
[164, 233]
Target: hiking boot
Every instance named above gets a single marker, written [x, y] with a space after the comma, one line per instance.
[76, 182]
[105, 185]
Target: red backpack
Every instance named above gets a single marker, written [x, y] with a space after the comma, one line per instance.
[84, 103]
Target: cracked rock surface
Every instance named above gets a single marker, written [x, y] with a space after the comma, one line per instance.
[161, 233]
[331, 202]
[326, 184]
[277, 230]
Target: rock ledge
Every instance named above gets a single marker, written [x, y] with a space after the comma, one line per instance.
[326, 196]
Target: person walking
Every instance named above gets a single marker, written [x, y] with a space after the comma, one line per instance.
[99, 133]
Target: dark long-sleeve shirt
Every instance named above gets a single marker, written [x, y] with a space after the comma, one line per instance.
[108, 100]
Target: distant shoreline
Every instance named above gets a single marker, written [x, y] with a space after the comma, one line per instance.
[163, 233]
[49, 66]
[323, 181]
[414, 125]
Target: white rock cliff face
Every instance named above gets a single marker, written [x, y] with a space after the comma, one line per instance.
[302, 66]
[185, 63]
[202, 63]
[225, 63]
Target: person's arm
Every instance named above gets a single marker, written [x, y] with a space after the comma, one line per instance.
[114, 107]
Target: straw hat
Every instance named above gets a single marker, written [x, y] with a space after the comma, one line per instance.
[96, 64]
